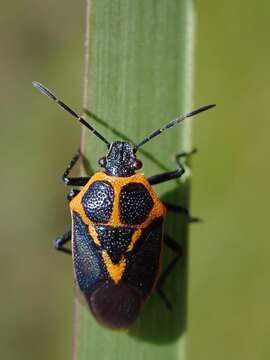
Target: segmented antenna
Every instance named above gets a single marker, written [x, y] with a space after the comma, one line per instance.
[171, 124]
[48, 93]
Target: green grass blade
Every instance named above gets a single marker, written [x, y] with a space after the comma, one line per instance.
[138, 76]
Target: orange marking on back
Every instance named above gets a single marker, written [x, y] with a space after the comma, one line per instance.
[115, 270]
[93, 234]
[136, 235]
[117, 183]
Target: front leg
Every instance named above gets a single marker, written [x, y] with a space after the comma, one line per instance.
[72, 193]
[160, 178]
[170, 175]
[74, 181]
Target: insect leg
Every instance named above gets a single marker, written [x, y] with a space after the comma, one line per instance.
[172, 244]
[185, 154]
[181, 210]
[160, 178]
[72, 193]
[74, 181]
[61, 241]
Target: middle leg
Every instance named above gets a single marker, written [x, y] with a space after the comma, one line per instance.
[181, 210]
[61, 241]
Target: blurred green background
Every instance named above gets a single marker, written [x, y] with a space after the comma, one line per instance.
[229, 293]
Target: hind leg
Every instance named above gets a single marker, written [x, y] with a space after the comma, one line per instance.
[177, 249]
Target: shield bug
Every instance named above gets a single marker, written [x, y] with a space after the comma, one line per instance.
[117, 228]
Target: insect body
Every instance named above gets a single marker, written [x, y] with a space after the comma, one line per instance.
[117, 229]
[117, 223]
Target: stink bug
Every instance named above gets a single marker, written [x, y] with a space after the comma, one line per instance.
[117, 228]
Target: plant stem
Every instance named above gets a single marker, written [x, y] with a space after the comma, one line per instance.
[138, 76]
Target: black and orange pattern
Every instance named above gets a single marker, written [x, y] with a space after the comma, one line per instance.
[117, 243]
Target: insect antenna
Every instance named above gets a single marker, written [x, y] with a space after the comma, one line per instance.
[48, 93]
[171, 124]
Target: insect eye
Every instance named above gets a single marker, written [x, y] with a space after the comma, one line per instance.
[102, 161]
[138, 164]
